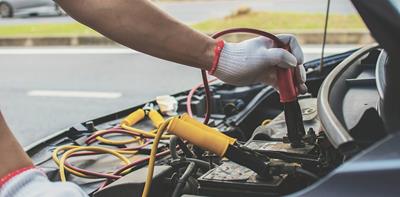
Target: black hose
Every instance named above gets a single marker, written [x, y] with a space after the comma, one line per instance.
[172, 147]
[200, 163]
[254, 103]
[174, 154]
[182, 181]
[307, 173]
[184, 148]
[174, 140]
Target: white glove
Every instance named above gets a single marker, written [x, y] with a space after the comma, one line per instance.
[256, 61]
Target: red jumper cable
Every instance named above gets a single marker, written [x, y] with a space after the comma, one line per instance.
[288, 91]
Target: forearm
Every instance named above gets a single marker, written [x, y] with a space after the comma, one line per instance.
[139, 25]
[18, 177]
[12, 155]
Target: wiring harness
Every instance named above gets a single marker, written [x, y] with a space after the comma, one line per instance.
[138, 137]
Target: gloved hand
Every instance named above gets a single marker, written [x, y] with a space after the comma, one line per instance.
[255, 60]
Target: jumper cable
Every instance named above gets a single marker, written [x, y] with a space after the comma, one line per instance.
[288, 91]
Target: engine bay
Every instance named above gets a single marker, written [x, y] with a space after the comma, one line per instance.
[252, 115]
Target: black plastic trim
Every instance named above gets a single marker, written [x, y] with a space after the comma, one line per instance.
[334, 129]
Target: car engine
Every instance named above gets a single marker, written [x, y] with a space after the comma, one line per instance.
[341, 117]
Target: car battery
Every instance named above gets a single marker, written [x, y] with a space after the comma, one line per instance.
[269, 139]
[276, 129]
[307, 156]
[231, 179]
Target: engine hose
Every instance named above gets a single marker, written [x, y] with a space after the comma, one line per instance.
[185, 149]
[307, 173]
[176, 158]
[200, 163]
[182, 181]
[173, 141]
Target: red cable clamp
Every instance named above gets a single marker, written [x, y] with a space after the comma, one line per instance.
[288, 92]
[217, 53]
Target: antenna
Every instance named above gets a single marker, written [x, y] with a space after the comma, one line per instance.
[321, 64]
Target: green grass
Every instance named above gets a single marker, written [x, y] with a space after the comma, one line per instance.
[62, 29]
[270, 21]
[274, 21]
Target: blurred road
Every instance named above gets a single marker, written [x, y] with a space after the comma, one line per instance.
[44, 90]
[193, 12]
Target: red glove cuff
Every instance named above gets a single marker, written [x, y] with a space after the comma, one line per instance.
[13, 174]
[217, 53]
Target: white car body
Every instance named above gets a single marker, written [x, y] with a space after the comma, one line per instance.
[31, 7]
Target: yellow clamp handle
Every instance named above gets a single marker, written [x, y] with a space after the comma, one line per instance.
[155, 118]
[134, 117]
[200, 135]
[185, 117]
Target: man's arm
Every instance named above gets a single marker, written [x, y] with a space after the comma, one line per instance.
[139, 25]
[18, 176]
[12, 156]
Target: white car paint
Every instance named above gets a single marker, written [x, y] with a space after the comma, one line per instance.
[29, 7]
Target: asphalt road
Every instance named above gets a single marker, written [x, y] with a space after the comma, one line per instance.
[192, 12]
[44, 90]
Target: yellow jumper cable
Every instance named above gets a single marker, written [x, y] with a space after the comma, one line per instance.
[64, 157]
[139, 115]
[196, 133]
[102, 139]
[152, 159]
[81, 148]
